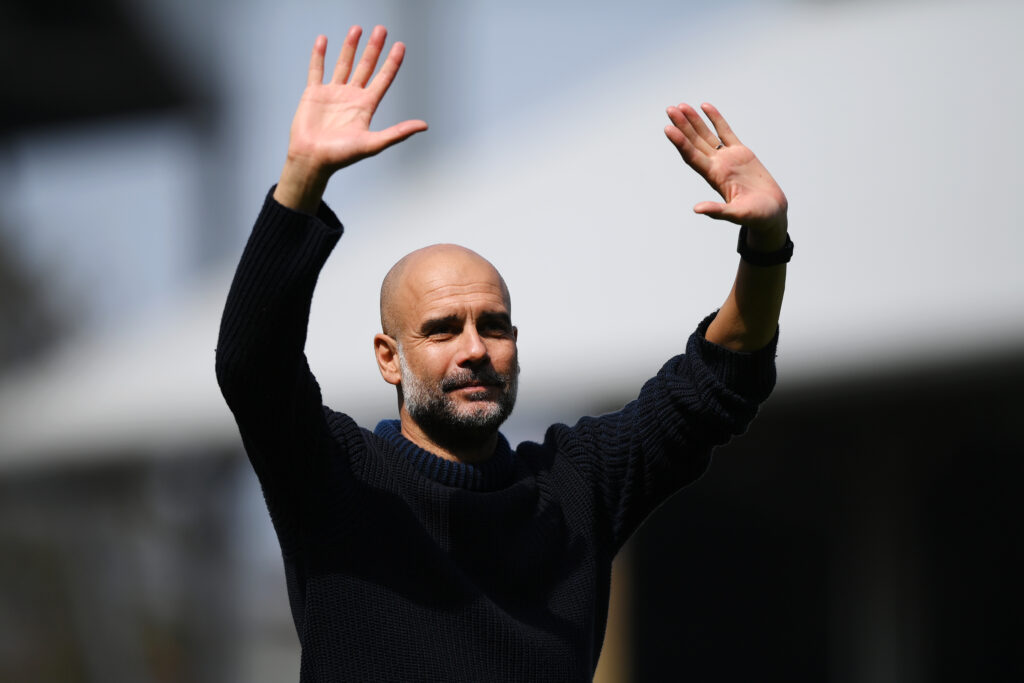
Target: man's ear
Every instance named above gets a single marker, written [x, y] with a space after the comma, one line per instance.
[386, 350]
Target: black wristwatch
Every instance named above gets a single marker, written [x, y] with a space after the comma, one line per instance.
[764, 258]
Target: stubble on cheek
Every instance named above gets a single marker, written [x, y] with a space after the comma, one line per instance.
[486, 408]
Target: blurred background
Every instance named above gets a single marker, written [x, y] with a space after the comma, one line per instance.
[863, 530]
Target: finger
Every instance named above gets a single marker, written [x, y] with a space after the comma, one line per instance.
[369, 60]
[721, 127]
[699, 126]
[693, 157]
[383, 139]
[382, 81]
[348, 53]
[316, 62]
[683, 122]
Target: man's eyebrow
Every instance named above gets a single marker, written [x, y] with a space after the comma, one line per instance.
[496, 316]
[434, 324]
[488, 317]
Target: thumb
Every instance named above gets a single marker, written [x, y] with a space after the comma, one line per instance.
[718, 211]
[711, 209]
[396, 133]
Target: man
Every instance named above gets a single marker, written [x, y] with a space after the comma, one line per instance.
[429, 549]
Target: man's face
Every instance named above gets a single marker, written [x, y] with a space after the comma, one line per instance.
[467, 402]
[457, 348]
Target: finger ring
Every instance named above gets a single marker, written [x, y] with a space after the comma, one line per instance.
[720, 145]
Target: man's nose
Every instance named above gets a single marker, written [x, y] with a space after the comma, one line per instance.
[472, 348]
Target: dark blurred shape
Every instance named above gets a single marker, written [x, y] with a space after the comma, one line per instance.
[32, 322]
[122, 572]
[69, 62]
[72, 60]
[864, 529]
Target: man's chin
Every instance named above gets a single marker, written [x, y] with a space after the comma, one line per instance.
[465, 415]
[480, 409]
[475, 418]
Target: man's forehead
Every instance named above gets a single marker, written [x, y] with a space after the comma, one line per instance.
[448, 269]
[441, 275]
[439, 299]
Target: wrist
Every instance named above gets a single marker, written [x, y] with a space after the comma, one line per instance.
[767, 238]
[301, 186]
[765, 248]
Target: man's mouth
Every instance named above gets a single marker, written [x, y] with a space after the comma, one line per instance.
[462, 383]
[473, 385]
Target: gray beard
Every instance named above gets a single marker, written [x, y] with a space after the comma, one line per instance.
[442, 419]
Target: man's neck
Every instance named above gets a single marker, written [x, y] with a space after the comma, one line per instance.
[469, 452]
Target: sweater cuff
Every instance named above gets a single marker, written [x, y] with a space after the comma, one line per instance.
[279, 213]
[288, 243]
[749, 373]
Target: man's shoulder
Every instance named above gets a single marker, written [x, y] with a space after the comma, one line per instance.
[346, 432]
[555, 453]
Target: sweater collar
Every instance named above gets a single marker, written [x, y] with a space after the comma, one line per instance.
[483, 476]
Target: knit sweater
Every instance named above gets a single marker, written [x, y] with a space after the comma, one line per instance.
[403, 566]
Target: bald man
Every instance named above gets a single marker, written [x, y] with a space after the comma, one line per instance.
[429, 548]
[449, 346]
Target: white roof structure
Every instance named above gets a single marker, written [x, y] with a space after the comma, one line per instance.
[895, 130]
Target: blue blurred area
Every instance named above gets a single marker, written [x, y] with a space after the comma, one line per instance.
[121, 204]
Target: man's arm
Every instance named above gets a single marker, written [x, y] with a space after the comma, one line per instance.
[264, 324]
[749, 317]
[331, 128]
[260, 364]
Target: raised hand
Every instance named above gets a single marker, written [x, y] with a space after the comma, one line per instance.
[752, 197]
[331, 128]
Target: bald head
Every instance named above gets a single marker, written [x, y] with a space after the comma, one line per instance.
[430, 272]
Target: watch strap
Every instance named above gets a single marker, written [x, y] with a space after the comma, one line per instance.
[764, 258]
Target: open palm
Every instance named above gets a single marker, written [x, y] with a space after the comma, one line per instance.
[331, 128]
[752, 197]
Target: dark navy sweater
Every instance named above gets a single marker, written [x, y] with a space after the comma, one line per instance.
[403, 566]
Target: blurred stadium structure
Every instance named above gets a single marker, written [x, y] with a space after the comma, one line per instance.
[862, 531]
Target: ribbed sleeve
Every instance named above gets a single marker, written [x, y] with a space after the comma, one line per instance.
[260, 364]
[268, 304]
[657, 444]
